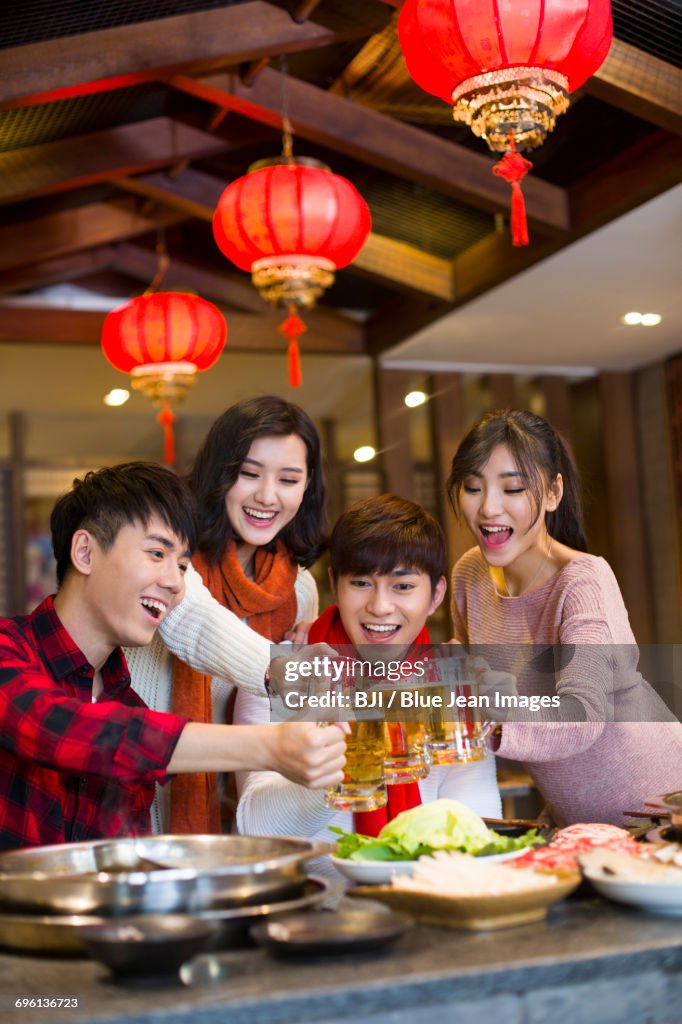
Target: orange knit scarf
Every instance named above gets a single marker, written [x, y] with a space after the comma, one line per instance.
[268, 603]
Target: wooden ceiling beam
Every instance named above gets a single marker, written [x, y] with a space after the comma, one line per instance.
[247, 333]
[99, 156]
[364, 134]
[57, 271]
[402, 265]
[650, 166]
[151, 50]
[234, 289]
[196, 194]
[482, 266]
[70, 231]
[641, 84]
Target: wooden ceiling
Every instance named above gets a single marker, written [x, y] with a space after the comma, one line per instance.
[123, 120]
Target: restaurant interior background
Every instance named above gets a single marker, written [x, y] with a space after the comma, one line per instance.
[125, 120]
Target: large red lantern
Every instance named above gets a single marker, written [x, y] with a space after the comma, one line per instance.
[291, 223]
[506, 66]
[162, 340]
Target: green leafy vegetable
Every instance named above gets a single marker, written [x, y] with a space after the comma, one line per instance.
[437, 825]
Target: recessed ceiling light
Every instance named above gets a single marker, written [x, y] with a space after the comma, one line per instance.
[631, 319]
[415, 398]
[117, 396]
[651, 319]
[364, 454]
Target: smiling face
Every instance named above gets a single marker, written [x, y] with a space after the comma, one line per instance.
[127, 589]
[268, 491]
[387, 608]
[498, 509]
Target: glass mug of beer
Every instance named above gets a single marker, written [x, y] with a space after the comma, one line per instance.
[364, 781]
[405, 758]
[453, 720]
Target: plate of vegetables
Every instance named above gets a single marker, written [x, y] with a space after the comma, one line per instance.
[438, 825]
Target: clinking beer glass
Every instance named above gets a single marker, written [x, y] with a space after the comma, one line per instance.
[454, 729]
[364, 780]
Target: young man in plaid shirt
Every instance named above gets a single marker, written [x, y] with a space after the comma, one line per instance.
[79, 751]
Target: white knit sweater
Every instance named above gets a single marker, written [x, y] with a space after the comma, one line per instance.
[214, 641]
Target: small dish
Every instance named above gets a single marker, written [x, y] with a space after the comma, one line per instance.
[380, 872]
[146, 943]
[646, 885]
[328, 932]
[474, 913]
[372, 872]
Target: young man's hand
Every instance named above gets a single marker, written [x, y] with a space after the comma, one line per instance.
[308, 753]
[284, 676]
[299, 634]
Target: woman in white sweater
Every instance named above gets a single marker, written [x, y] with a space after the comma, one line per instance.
[260, 499]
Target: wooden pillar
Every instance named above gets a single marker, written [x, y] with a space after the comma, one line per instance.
[557, 402]
[502, 391]
[393, 431]
[448, 426]
[624, 482]
[332, 471]
[16, 547]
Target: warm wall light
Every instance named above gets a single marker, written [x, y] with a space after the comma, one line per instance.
[117, 396]
[645, 319]
[415, 398]
[364, 454]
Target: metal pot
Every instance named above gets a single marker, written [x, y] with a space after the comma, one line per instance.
[154, 874]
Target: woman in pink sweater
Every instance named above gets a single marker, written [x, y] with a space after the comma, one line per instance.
[611, 742]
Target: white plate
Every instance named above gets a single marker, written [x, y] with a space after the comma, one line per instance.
[372, 872]
[656, 897]
[645, 884]
[380, 872]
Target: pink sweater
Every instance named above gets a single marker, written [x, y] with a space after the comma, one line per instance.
[630, 746]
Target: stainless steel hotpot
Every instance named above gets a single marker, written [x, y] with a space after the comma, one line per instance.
[154, 874]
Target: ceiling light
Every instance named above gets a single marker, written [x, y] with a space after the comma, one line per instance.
[651, 319]
[631, 319]
[415, 398]
[364, 454]
[117, 396]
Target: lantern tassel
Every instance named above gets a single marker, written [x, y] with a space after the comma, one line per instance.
[166, 418]
[292, 328]
[513, 168]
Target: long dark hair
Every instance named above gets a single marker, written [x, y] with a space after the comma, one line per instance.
[220, 458]
[540, 454]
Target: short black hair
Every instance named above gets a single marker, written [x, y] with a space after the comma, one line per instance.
[376, 535]
[107, 499]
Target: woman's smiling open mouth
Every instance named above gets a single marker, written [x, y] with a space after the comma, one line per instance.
[259, 517]
[494, 536]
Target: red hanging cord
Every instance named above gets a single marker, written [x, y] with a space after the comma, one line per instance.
[292, 328]
[166, 417]
[513, 168]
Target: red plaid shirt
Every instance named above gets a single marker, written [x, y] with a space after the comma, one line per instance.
[70, 769]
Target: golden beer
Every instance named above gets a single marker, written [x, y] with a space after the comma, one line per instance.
[364, 785]
[454, 734]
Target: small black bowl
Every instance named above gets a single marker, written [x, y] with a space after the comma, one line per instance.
[147, 944]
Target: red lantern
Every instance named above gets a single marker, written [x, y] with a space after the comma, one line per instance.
[506, 66]
[162, 340]
[291, 223]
